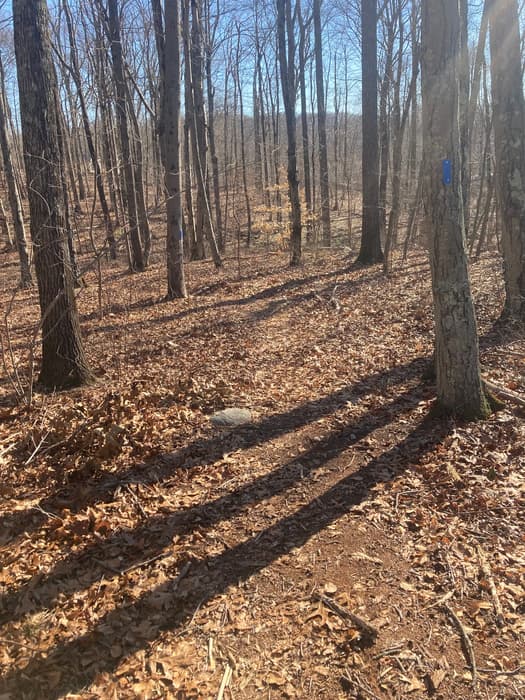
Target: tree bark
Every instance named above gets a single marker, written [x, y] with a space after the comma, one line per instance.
[75, 73]
[459, 384]
[64, 362]
[170, 145]
[304, 125]
[198, 130]
[321, 126]
[17, 215]
[370, 251]
[286, 51]
[128, 193]
[509, 137]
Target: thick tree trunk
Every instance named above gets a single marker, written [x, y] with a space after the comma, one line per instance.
[194, 233]
[5, 227]
[370, 251]
[243, 142]
[509, 136]
[138, 178]
[63, 358]
[459, 385]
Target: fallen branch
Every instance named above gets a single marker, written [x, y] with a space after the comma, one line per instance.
[367, 629]
[4, 640]
[466, 644]
[487, 573]
[504, 393]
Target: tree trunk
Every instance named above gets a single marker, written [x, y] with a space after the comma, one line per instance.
[75, 73]
[64, 362]
[26, 279]
[321, 125]
[459, 385]
[170, 145]
[128, 193]
[194, 233]
[210, 90]
[509, 137]
[243, 142]
[198, 131]
[138, 178]
[286, 50]
[304, 127]
[370, 251]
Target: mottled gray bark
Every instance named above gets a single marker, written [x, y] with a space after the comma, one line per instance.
[170, 149]
[459, 385]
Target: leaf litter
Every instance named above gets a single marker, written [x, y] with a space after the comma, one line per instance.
[147, 554]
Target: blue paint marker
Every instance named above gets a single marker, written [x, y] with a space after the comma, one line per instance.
[447, 172]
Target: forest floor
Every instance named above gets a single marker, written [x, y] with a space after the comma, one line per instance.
[147, 554]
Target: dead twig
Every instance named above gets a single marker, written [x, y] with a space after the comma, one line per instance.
[225, 682]
[439, 601]
[487, 573]
[466, 644]
[496, 672]
[367, 629]
[121, 572]
[137, 502]
[18, 644]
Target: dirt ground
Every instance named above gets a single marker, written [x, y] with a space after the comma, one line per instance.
[345, 544]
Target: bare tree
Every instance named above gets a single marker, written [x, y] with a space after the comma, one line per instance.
[509, 134]
[74, 69]
[64, 362]
[370, 251]
[169, 56]
[17, 214]
[459, 385]
[137, 262]
[286, 51]
[321, 125]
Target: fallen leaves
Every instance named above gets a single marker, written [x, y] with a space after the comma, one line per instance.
[122, 508]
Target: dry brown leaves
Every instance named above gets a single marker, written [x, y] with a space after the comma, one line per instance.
[147, 555]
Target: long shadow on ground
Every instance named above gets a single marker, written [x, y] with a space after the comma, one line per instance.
[238, 302]
[209, 449]
[80, 661]
[145, 541]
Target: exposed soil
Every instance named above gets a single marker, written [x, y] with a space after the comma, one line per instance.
[147, 554]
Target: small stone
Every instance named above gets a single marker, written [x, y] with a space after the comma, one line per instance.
[231, 417]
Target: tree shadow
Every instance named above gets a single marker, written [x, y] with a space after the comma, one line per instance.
[79, 662]
[267, 293]
[99, 489]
